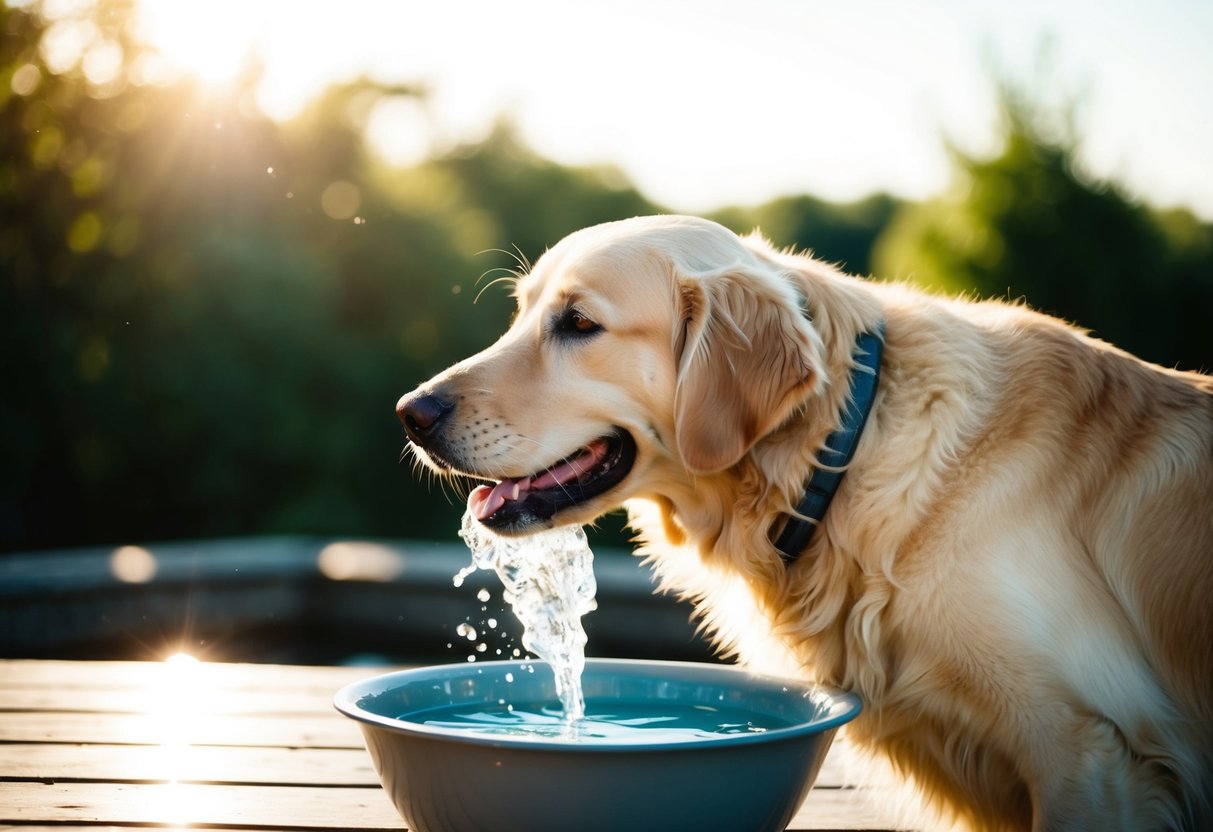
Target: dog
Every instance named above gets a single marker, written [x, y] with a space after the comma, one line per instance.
[1015, 570]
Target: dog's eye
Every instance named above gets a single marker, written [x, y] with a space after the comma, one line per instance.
[575, 323]
[582, 324]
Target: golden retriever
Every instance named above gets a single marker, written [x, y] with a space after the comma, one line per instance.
[1015, 574]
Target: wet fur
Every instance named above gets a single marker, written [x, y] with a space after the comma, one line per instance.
[1017, 573]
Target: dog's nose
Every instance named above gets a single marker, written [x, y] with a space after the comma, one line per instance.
[421, 415]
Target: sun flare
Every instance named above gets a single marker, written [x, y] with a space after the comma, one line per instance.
[213, 40]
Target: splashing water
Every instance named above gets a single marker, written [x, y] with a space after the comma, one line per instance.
[549, 582]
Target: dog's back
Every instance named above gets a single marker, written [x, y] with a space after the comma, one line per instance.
[1077, 522]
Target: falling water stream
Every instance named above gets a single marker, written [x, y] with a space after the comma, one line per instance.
[549, 582]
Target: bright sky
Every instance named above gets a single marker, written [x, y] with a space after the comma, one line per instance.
[711, 102]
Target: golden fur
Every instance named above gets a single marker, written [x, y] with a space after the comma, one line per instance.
[1017, 572]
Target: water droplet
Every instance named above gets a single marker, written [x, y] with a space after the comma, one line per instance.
[471, 658]
[492, 622]
[481, 647]
[509, 677]
[483, 596]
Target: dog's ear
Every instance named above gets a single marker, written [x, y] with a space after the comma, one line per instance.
[747, 357]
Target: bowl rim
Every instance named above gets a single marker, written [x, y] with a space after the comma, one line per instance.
[346, 699]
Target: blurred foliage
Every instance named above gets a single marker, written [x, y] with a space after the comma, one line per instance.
[1029, 223]
[840, 234]
[208, 316]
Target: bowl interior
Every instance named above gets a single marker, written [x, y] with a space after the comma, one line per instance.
[418, 701]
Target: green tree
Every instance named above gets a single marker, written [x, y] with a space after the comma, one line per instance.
[194, 344]
[842, 234]
[208, 316]
[1029, 223]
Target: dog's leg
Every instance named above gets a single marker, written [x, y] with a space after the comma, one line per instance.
[1097, 781]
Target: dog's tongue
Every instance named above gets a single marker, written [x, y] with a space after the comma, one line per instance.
[485, 500]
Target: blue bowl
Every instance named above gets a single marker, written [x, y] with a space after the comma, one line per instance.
[451, 779]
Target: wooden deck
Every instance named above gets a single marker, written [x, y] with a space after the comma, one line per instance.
[223, 746]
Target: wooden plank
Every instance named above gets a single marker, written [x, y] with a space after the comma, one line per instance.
[182, 804]
[89, 827]
[182, 729]
[293, 701]
[144, 687]
[846, 809]
[215, 764]
[190, 764]
[72, 675]
[296, 764]
[266, 807]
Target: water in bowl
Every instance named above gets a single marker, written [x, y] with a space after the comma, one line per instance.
[609, 723]
[549, 582]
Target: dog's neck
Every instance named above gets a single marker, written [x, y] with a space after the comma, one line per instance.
[834, 457]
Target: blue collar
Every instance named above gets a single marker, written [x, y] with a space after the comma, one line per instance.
[834, 458]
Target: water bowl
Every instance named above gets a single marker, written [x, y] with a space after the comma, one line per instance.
[666, 745]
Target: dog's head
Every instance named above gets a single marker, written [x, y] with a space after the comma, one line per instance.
[644, 353]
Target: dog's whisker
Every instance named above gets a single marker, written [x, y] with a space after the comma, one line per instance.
[511, 279]
[510, 274]
[524, 262]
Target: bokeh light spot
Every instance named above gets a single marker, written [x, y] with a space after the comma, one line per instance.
[102, 62]
[26, 79]
[133, 565]
[360, 561]
[64, 43]
[89, 177]
[85, 233]
[341, 199]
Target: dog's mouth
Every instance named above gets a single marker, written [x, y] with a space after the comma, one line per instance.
[517, 503]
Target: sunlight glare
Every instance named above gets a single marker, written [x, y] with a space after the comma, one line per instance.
[212, 40]
[177, 702]
[184, 700]
[178, 697]
[181, 659]
[863, 92]
[400, 130]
